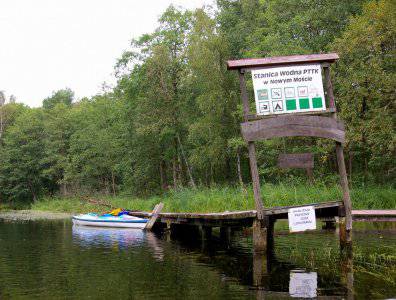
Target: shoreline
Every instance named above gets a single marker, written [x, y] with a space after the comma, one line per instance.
[32, 215]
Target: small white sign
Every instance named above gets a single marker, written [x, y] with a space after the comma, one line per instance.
[302, 218]
[298, 87]
[303, 285]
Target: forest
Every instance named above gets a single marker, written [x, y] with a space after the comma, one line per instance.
[172, 121]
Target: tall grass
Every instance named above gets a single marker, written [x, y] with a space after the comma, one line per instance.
[216, 199]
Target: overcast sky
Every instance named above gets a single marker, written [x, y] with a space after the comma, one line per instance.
[46, 45]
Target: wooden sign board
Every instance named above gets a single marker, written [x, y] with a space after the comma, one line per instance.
[296, 160]
[288, 89]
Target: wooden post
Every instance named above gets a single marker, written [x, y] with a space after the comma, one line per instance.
[270, 236]
[154, 216]
[259, 236]
[347, 273]
[206, 232]
[260, 270]
[310, 174]
[225, 234]
[329, 225]
[341, 165]
[252, 150]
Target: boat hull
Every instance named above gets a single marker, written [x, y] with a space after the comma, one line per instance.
[135, 223]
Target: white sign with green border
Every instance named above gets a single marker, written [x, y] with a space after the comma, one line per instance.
[281, 90]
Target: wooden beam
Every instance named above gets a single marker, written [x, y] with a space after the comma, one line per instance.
[253, 117]
[259, 236]
[289, 125]
[250, 63]
[285, 209]
[154, 216]
[296, 160]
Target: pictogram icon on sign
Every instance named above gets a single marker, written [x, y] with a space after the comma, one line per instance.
[262, 94]
[302, 91]
[290, 92]
[276, 93]
[264, 106]
[277, 106]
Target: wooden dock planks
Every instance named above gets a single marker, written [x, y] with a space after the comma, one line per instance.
[241, 218]
[324, 211]
[382, 215]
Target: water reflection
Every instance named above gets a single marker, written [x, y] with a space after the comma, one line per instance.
[303, 284]
[121, 238]
[57, 261]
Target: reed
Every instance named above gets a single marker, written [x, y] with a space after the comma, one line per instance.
[228, 198]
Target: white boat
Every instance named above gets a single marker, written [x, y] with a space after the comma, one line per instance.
[123, 221]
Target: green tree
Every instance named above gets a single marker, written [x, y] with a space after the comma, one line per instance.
[21, 167]
[216, 100]
[94, 145]
[57, 129]
[365, 84]
[64, 96]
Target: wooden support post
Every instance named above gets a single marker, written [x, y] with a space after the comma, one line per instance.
[345, 192]
[154, 216]
[260, 270]
[310, 174]
[329, 225]
[206, 232]
[270, 236]
[345, 238]
[263, 241]
[252, 150]
[347, 273]
[259, 236]
[225, 234]
[341, 167]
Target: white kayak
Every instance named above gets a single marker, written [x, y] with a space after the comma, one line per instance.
[123, 221]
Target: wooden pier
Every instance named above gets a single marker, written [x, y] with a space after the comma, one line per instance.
[263, 234]
[328, 212]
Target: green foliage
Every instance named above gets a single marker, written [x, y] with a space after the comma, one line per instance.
[62, 96]
[21, 166]
[279, 27]
[365, 78]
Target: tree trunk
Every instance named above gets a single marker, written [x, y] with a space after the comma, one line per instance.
[32, 191]
[106, 184]
[162, 169]
[64, 189]
[192, 182]
[350, 155]
[1, 122]
[239, 170]
[211, 175]
[174, 172]
[113, 183]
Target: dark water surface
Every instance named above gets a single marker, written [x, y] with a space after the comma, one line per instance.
[54, 260]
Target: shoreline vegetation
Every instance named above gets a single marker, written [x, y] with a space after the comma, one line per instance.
[218, 199]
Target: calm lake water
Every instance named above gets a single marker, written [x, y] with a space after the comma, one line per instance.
[54, 260]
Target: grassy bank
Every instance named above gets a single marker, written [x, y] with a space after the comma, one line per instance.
[229, 198]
